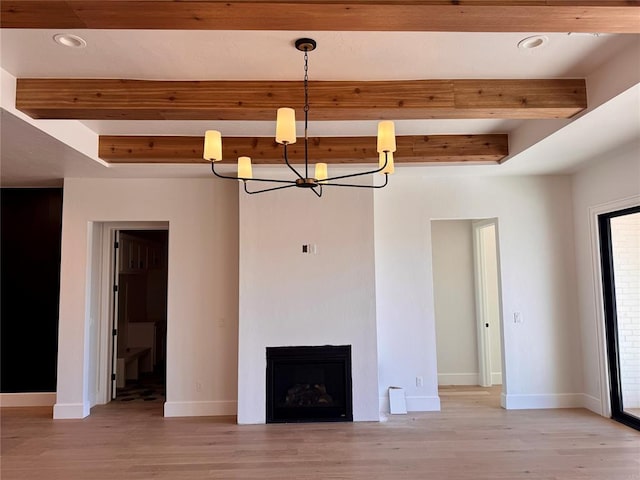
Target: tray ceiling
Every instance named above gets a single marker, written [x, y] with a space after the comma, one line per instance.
[147, 89]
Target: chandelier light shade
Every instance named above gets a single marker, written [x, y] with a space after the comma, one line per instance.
[244, 169]
[286, 135]
[212, 146]
[286, 126]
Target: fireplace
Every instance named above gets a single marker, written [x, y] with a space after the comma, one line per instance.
[309, 384]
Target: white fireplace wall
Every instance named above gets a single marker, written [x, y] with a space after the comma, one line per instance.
[290, 298]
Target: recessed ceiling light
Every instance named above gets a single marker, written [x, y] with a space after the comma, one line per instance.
[530, 43]
[69, 40]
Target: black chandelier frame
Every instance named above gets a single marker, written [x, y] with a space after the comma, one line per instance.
[306, 45]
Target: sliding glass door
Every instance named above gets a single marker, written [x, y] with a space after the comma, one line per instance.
[620, 254]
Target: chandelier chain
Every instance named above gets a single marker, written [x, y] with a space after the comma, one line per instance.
[306, 81]
[306, 112]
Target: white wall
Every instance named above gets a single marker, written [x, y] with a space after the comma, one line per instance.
[603, 186]
[625, 243]
[288, 298]
[202, 294]
[542, 354]
[611, 179]
[454, 302]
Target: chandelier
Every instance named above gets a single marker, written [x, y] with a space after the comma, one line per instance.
[286, 135]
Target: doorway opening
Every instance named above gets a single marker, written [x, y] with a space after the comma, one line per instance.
[138, 355]
[103, 321]
[467, 297]
[619, 233]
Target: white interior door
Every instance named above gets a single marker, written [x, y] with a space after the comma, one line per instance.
[487, 301]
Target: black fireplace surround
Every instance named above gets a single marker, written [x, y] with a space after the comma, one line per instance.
[309, 384]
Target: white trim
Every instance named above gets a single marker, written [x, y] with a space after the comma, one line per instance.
[414, 404]
[63, 411]
[103, 391]
[28, 399]
[496, 378]
[537, 401]
[201, 409]
[458, 379]
[423, 404]
[592, 403]
[95, 242]
[603, 362]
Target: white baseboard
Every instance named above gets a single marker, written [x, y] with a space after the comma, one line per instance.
[200, 409]
[536, 401]
[414, 404]
[28, 399]
[496, 378]
[423, 404]
[592, 403]
[62, 411]
[457, 379]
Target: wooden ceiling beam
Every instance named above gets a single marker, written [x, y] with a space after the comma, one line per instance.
[86, 99]
[604, 16]
[332, 150]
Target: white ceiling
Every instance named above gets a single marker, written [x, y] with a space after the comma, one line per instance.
[270, 55]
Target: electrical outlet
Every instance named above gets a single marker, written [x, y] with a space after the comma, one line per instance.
[310, 248]
[419, 382]
[517, 317]
[198, 387]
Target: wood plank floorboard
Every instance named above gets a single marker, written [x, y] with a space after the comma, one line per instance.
[472, 438]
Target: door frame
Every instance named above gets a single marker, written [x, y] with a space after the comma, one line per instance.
[115, 308]
[611, 315]
[598, 298]
[105, 342]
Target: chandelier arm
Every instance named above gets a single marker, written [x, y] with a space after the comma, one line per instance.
[386, 180]
[274, 180]
[219, 175]
[286, 160]
[313, 189]
[266, 189]
[359, 174]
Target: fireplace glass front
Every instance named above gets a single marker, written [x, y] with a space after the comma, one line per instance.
[309, 384]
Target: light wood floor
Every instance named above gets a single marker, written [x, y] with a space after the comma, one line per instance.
[470, 439]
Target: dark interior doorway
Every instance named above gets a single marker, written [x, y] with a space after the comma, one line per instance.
[140, 325]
